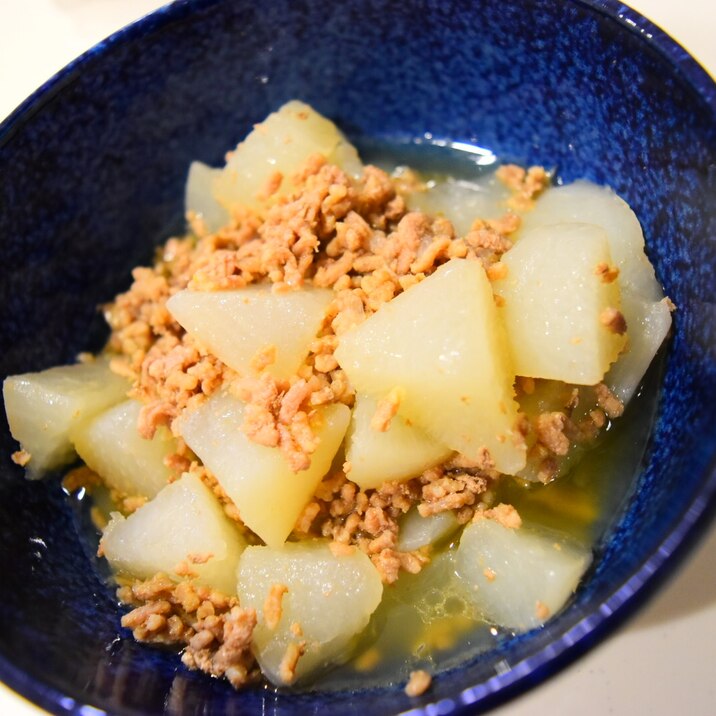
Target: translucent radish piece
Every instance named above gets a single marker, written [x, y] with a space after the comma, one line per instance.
[182, 532]
[110, 445]
[281, 143]
[199, 196]
[345, 156]
[416, 531]
[518, 578]
[441, 346]
[268, 494]
[237, 325]
[329, 600]
[648, 324]
[646, 314]
[401, 452]
[42, 408]
[554, 302]
[461, 201]
[586, 203]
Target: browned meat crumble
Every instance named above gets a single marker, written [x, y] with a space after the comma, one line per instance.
[214, 631]
[418, 683]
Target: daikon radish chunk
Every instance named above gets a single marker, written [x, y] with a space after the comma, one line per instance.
[43, 407]
[440, 346]
[647, 317]
[518, 578]
[345, 156]
[266, 491]
[561, 315]
[586, 203]
[401, 452]
[236, 326]
[416, 531]
[327, 602]
[182, 532]
[461, 201]
[279, 146]
[199, 196]
[111, 445]
[649, 323]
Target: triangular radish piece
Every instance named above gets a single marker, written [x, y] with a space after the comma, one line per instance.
[237, 325]
[440, 345]
[182, 532]
[267, 493]
[399, 453]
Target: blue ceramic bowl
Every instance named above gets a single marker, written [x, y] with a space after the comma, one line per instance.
[91, 176]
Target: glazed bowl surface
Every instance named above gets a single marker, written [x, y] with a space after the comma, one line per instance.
[92, 169]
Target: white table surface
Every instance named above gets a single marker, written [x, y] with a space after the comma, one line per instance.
[664, 660]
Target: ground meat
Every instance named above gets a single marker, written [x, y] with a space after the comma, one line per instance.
[607, 401]
[550, 432]
[418, 683]
[272, 185]
[272, 606]
[339, 549]
[454, 490]
[287, 667]
[613, 321]
[607, 273]
[505, 515]
[386, 411]
[541, 611]
[21, 457]
[215, 632]
[370, 519]
[525, 185]
[81, 478]
[497, 271]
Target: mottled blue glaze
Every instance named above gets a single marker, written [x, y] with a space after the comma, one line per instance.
[91, 175]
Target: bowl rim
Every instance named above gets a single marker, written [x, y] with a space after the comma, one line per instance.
[623, 599]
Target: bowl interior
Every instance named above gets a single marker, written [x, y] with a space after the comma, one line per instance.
[91, 179]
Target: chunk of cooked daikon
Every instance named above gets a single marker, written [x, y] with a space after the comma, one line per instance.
[643, 306]
[518, 578]
[237, 326]
[417, 531]
[461, 201]
[649, 323]
[562, 317]
[43, 407]
[199, 196]
[111, 445]
[399, 453]
[281, 143]
[586, 203]
[268, 494]
[328, 600]
[183, 532]
[441, 346]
